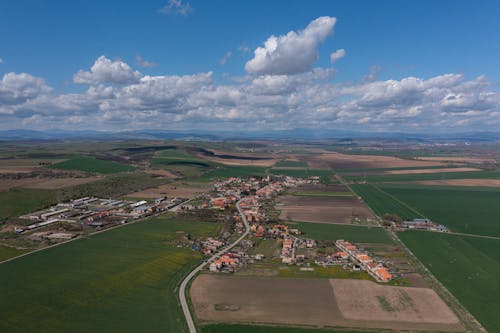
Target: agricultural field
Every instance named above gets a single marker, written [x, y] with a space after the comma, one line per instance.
[17, 201]
[468, 266]
[128, 283]
[7, 252]
[461, 209]
[493, 174]
[332, 232]
[232, 171]
[231, 328]
[324, 175]
[323, 209]
[290, 164]
[92, 164]
[314, 302]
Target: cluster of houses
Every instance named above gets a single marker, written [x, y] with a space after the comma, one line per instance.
[95, 212]
[370, 265]
[211, 245]
[424, 224]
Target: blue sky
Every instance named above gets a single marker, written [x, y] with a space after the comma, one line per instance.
[403, 44]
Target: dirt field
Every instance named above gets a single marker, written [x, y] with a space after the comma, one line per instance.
[415, 171]
[474, 160]
[8, 166]
[461, 182]
[322, 209]
[313, 302]
[366, 300]
[170, 190]
[345, 161]
[45, 184]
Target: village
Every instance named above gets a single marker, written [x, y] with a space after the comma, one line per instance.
[294, 248]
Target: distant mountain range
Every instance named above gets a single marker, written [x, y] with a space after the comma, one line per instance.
[295, 134]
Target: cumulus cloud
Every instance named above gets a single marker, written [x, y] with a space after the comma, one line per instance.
[293, 53]
[177, 7]
[19, 88]
[337, 55]
[144, 63]
[105, 70]
[225, 58]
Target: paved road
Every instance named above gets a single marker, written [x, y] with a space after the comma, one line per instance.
[185, 282]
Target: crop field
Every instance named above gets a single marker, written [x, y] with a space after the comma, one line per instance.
[324, 209]
[233, 171]
[7, 252]
[495, 174]
[357, 234]
[313, 302]
[91, 164]
[19, 201]
[461, 209]
[382, 203]
[231, 328]
[468, 266]
[290, 164]
[121, 280]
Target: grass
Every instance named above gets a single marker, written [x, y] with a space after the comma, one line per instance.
[382, 203]
[427, 176]
[17, 201]
[358, 234]
[461, 209]
[7, 252]
[468, 266]
[291, 164]
[91, 164]
[231, 328]
[121, 280]
[233, 171]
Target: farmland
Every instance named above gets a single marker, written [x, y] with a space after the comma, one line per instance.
[325, 209]
[468, 266]
[324, 175]
[92, 164]
[461, 209]
[494, 174]
[318, 302]
[231, 328]
[358, 234]
[127, 285]
[19, 201]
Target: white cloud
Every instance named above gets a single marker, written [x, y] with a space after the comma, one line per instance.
[337, 55]
[144, 63]
[19, 88]
[177, 7]
[105, 70]
[225, 58]
[293, 53]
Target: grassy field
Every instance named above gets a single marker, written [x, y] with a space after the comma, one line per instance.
[468, 266]
[7, 252]
[121, 280]
[91, 164]
[231, 328]
[427, 176]
[19, 201]
[461, 209]
[233, 171]
[333, 232]
[382, 203]
[291, 164]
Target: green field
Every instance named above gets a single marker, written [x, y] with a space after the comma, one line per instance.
[426, 176]
[232, 328]
[323, 231]
[468, 266]
[7, 252]
[233, 171]
[382, 203]
[291, 164]
[91, 164]
[121, 280]
[461, 209]
[18, 201]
